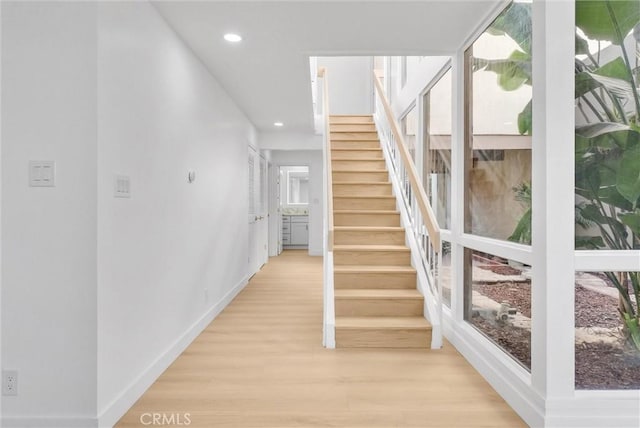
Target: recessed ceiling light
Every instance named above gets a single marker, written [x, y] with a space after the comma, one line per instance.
[233, 38]
[278, 124]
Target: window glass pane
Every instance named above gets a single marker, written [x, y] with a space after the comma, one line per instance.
[445, 273]
[606, 354]
[437, 149]
[607, 162]
[410, 131]
[411, 66]
[378, 67]
[498, 302]
[498, 161]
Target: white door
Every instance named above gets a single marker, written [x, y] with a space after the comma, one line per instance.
[263, 215]
[253, 187]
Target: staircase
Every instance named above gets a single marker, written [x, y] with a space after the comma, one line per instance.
[377, 303]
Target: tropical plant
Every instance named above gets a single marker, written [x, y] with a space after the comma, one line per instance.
[522, 232]
[607, 142]
[607, 135]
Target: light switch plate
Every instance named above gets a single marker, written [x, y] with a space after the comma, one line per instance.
[42, 174]
[122, 186]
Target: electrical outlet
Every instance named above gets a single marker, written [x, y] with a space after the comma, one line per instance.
[9, 382]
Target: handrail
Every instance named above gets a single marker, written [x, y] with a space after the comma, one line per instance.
[322, 73]
[431, 222]
[329, 316]
[425, 238]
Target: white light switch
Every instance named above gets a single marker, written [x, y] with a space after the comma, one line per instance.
[42, 173]
[122, 186]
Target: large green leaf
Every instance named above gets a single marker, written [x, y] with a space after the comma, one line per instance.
[616, 69]
[607, 20]
[632, 220]
[525, 123]
[589, 242]
[522, 232]
[515, 22]
[513, 72]
[582, 46]
[594, 130]
[628, 177]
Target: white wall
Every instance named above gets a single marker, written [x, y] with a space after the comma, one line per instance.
[312, 158]
[174, 250]
[350, 84]
[49, 234]
[290, 141]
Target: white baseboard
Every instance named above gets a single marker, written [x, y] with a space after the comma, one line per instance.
[121, 404]
[48, 422]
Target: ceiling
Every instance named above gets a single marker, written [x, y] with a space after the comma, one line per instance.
[267, 74]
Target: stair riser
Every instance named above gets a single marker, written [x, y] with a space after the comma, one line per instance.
[381, 177]
[362, 144]
[350, 136]
[359, 165]
[368, 237]
[372, 258]
[353, 127]
[364, 219]
[364, 204]
[374, 280]
[350, 119]
[368, 189]
[378, 307]
[356, 154]
[382, 338]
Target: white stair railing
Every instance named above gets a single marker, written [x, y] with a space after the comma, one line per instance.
[424, 237]
[329, 318]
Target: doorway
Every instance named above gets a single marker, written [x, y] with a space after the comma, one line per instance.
[293, 206]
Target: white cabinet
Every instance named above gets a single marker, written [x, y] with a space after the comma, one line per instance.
[295, 230]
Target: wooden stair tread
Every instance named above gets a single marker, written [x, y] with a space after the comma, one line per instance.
[376, 183]
[358, 159]
[358, 171]
[345, 247]
[370, 228]
[378, 293]
[355, 149]
[373, 269]
[381, 212]
[393, 323]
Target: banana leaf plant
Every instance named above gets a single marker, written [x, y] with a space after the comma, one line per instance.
[607, 140]
[607, 134]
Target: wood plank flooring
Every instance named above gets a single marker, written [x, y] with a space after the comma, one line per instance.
[261, 364]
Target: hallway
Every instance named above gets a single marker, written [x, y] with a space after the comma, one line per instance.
[261, 364]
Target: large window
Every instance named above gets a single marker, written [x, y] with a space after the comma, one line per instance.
[410, 131]
[437, 149]
[498, 175]
[607, 189]
[497, 202]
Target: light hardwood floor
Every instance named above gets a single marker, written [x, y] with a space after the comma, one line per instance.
[261, 364]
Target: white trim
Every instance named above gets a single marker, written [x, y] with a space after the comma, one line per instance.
[601, 409]
[484, 24]
[506, 376]
[329, 324]
[607, 260]
[123, 402]
[49, 422]
[509, 250]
